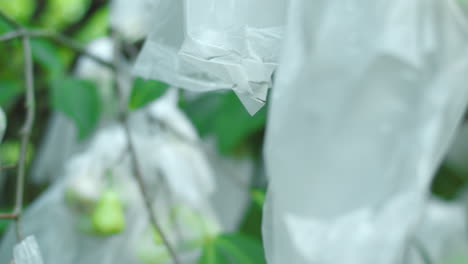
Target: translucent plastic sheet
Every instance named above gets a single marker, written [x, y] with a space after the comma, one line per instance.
[132, 20]
[442, 235]
[231, 196]
[215, 44]
[27, 252]
[58, 144]
[366, 101]
[178, 175]
[87, 68]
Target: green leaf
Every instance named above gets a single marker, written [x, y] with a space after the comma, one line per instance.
[225, 116]
[9, 90]
[258, 196]
[20, 10]
[203, 110]
[235, 124]
[252, 222]
[3, 226]
[10, 152]
[97, 26]
[48, 57]
[79, 100]
[144, 92]
[59, 13]
[232, 249]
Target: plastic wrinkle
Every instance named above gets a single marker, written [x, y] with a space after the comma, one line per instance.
[27, 252]
[215, 45]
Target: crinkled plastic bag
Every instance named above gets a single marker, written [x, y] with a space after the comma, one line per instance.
[27, 252]
[366, 101]
[215, 44]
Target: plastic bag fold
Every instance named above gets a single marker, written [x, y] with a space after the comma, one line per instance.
[27, 252]
[367, 98]
[442, 235]
[209, 45]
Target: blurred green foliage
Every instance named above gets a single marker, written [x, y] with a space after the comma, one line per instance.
[79, 100]
[144, 92]
[222, 115]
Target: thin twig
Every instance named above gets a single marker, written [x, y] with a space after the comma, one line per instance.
[147, 200]
[10, 21]
[8, 167]
[136, 169]
[27, 126]
[11, 35]
[8, 216]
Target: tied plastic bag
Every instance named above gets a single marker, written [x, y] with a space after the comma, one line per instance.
[367, 99]
[212, 44]
[27, 252]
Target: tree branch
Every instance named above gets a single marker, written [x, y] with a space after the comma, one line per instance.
[59, 39]
[27, 126]
[147, 200]
[136, 169]
[11, 35]
[8, 167]
[10, 21]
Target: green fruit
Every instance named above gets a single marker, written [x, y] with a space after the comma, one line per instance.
[108, 216]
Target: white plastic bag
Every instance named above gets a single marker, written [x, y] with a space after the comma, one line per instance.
[442, 235]
[132, 20]
[27, 252]
[212, 44]
[367, 99]
[3, 124]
